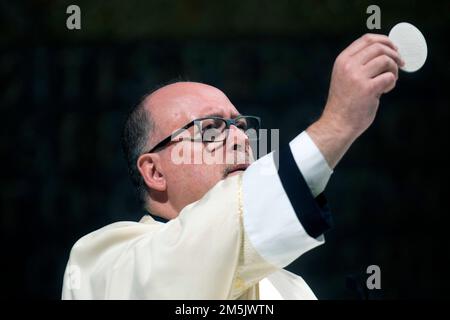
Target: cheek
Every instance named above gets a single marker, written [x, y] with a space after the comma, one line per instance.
[199, 177]
[207, 174]
[201, 174]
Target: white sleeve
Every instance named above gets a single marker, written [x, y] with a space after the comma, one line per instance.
[311, 163]
[282, 218]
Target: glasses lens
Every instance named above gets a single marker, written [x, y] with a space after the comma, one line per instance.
[250, 125]
[213, 130]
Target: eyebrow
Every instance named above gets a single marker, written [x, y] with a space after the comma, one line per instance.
[219, 115]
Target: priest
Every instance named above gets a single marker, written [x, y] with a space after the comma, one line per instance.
[227, 229]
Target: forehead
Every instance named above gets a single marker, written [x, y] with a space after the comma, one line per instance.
[177, 104]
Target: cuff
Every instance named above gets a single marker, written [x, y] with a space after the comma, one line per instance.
[311, 163]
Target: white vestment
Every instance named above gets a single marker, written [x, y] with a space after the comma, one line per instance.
[233, 243]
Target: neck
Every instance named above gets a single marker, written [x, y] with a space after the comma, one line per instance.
[164, 210]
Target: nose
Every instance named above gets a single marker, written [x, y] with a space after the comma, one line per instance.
[237, 140]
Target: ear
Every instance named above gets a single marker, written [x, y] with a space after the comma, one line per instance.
[149, 166]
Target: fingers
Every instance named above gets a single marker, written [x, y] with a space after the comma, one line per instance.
[375, 50]
[379, 59]
[379, 65]
[384, 83]
[366, 40]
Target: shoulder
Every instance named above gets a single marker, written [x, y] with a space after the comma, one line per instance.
[113, 236]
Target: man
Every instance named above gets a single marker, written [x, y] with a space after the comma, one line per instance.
[232, 227]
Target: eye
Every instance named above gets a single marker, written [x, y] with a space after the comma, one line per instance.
[242, 124]
[212, 129]
[211, 124]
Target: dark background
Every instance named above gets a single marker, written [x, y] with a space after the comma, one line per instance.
[64, 95]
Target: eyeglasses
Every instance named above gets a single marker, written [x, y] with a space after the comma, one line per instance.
[213, 129]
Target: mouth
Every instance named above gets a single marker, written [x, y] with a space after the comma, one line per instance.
[236, 169]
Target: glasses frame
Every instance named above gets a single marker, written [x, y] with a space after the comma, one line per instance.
[164, 142]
